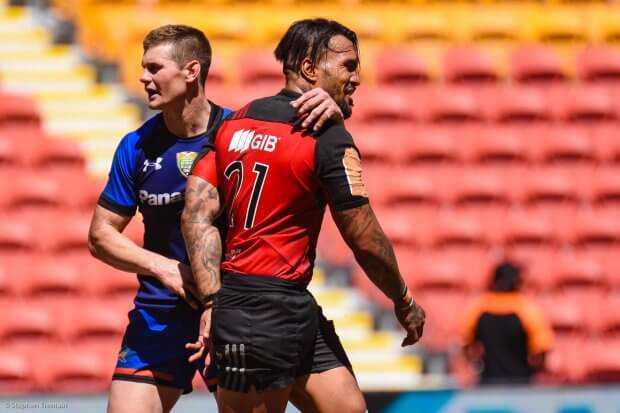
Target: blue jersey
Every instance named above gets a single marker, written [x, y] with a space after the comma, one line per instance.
[149, 172]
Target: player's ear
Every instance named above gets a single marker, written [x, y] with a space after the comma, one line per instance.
[192, 71]
[308, 71]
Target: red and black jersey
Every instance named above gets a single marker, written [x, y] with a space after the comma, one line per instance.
[275, 180]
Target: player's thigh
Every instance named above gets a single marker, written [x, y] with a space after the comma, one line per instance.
[135, 397]
[272, 401]
[330, 391]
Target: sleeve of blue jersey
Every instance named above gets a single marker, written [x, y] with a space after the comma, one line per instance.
[119, 194]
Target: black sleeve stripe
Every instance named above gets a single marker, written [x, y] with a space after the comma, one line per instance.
[116, 208]
[330, 150]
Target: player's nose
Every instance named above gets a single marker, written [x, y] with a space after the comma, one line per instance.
[145, 77]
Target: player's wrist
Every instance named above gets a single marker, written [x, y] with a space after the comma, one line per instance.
[208, 301]
[405, 300]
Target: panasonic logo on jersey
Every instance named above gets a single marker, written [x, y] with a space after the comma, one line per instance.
[159, 199]
[243, 140]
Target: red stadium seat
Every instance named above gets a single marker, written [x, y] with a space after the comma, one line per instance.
[6, 276]
[543, 186]
[27, 324]
[49, 276]
[414, 186]
[430, 272]
[596, 230]
[407, 227]
[30, 190]
[457, 270]
[453, 106]
[400, 66]
[59, 153]
[526, 230]
[576, 271]
[608, 311]
[10, 153]
[561, 216]
[537, 65]
[18, 110]
[599, 65]
[375, 176]
[71, 371]
[429, 145]
[478, 187]
[82, 190]
[15, 235]
[464, 231]
[106, 281]
[16, 372]
[609, 260]
[602, 362]
[383, 106]
[517, 105]
[568, 318]
[400, 228]
[64, 232]
[497, 145]
[259, 66]
[565, 363]
[583, 105]
[607, 144]
[604, 186]
[467, 65]
[563, 144]
[372, 141]
[94, 322]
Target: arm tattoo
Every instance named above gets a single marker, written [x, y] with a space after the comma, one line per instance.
[202, 238]
[372, 249]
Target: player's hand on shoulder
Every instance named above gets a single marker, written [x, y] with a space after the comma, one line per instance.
[412, 317]
[316, 107]
[177, 277]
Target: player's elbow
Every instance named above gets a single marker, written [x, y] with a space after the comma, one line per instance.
[95, 241]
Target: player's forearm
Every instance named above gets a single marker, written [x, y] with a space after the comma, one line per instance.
[372, 249]
[202, 238]
[115, 249]
[204, 247]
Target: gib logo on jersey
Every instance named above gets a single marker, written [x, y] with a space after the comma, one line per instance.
[243, 140]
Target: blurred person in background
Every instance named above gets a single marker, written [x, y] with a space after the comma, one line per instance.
[270, 338]
[149, 173]
[505, 334]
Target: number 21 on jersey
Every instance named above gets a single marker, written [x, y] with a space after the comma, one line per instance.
[260, 174]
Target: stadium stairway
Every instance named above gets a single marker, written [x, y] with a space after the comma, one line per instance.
[70, 101]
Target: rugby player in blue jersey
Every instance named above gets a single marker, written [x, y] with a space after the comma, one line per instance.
[148, 173]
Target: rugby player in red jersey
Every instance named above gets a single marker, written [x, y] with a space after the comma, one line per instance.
[273, 179]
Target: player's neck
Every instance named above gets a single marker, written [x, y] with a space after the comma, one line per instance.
[298, 84]
[188, 118]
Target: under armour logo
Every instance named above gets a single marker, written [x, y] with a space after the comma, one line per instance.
[156, 164]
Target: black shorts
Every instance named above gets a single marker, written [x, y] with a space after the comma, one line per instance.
[267, 332]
